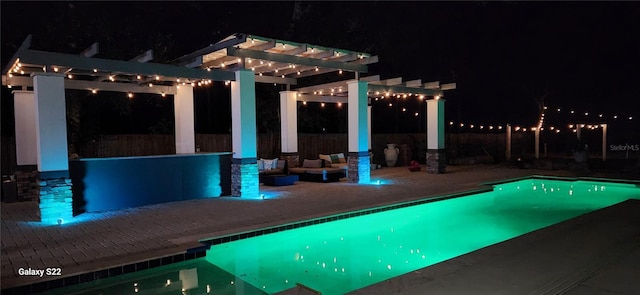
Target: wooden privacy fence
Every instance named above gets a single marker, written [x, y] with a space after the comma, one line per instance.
[412, 145]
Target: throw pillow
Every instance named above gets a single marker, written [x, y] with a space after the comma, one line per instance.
[260, 165]
[334, 158]
[341, 158]
[268, 164]
[325, 157]
[274, 164]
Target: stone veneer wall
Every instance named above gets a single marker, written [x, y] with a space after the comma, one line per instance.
[244, 180]
[56, 200]
[359, 169]
[293, 159]
[436, 161]
[27, 184]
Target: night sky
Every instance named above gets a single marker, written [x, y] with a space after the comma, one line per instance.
[504, 56]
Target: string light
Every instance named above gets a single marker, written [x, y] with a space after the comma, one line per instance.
[130, 95]
[139, 77]
[94, 91]
[70, 76]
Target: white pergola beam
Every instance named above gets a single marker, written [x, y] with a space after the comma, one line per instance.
[373, 78]
[448, 86]
[95, 85]
[91, 51]
[144, 57]
[322, 98]
[277, 80]
[432, 85]
[311, 89]
[389, 82]
[413, 83]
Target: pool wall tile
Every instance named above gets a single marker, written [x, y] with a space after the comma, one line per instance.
[40, 287]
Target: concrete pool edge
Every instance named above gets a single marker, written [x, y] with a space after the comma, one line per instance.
[513, 266]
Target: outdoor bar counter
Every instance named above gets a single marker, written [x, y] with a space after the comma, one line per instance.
[124, 182]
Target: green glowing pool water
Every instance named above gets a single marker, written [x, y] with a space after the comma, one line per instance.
[341, 256]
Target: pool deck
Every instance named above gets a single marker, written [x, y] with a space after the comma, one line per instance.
[558, 262]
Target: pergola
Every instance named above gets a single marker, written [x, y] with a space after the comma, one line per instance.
[241, 60]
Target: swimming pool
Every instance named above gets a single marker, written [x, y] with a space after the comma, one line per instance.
[340, 256]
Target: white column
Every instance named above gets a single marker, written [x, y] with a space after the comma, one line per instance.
[369, 124]
[51, 122]
[359, 169]
[243, 115]
[184, 120]
[435, 124]
[244, 167]
[289, 121]
[24, 105]
[358, 117]
[508, 149]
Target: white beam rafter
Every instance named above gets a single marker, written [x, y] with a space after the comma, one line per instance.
[364, 61]
[91, 51]
[277, 80]
[95, 85]
[229, 41]
[119, 66]
[392, 81]
[322, 98]
[144, 57]
[324, 87]
[289, 59]
[373, 78]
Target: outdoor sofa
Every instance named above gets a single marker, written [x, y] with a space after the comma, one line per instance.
[315, 170]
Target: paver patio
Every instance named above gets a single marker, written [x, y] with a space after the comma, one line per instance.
[99, 240]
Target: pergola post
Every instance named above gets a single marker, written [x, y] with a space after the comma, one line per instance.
[604, 142]
[369, 124]
[436, 155]
[359, 170]
[537, 142]
[508, 149]
[289, 127]
[54, 184]
[184, 118]
[244, 165]
[24, 105]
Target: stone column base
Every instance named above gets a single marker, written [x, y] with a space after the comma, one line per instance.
[436, 161]
[56, 197]
[359, 170]
[244, 178]
[293, 159]
[27, 184]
